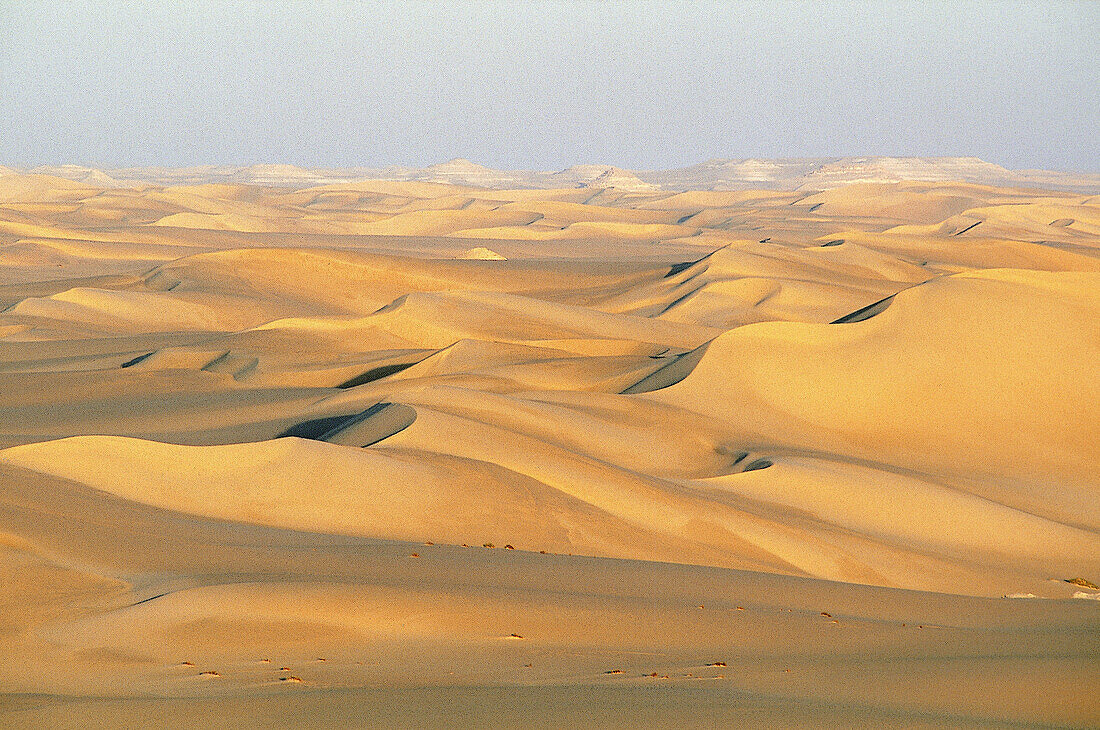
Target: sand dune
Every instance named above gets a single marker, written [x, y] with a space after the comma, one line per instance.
[753, 175]
[279, 445]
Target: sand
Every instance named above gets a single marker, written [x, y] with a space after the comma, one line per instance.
[748, 175]
[407, 453]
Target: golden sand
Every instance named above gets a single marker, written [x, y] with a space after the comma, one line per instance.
[762, 458]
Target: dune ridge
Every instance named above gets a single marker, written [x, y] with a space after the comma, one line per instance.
[716, 174]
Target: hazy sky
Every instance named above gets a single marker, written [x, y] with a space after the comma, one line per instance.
[545, 84]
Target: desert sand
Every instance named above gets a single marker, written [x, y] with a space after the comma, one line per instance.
[811, 173]
[403, 452]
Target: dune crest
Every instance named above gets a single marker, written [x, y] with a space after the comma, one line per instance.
[483, 254]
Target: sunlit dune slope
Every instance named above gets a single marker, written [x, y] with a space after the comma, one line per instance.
[987, 376]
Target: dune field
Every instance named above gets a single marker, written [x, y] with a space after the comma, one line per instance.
[407, 453]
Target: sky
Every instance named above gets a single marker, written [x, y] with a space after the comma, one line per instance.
[545, 85]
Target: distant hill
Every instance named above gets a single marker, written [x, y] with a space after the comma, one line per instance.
[821, 173]
[831, 172]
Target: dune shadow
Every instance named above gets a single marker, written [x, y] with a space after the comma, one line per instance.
[375, 374]
[864, 313]
[364, 428]
[670, 374]
[136, 360]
